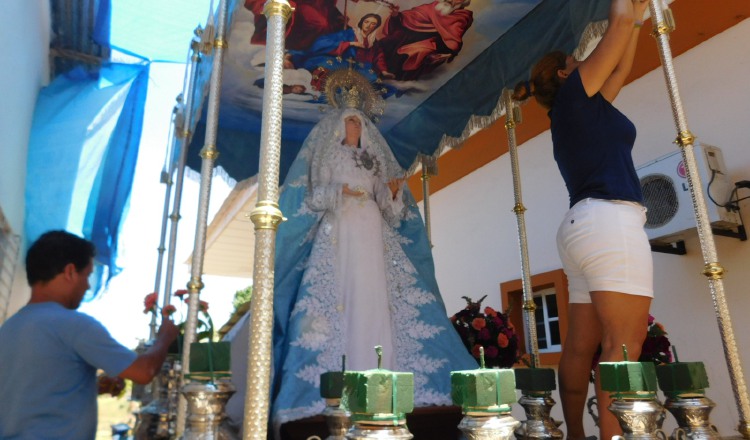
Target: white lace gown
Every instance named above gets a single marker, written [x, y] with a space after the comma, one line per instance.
[351, 273]
[353, 227]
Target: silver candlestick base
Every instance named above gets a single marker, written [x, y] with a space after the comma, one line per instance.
[206, 402]
[639, 418]
[337, 419]
[156, 420]
[538, 423]
[484, 426]
[691, 413]
[365, 431]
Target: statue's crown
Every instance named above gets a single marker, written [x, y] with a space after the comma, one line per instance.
[347, 88]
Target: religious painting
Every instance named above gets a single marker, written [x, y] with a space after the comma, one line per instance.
[407, 48]
[437, 63]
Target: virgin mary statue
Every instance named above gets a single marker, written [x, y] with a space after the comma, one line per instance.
[353, 270]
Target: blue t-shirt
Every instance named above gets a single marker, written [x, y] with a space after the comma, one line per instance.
[592, 143]
[48, 361]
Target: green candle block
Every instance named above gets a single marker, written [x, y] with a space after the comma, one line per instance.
[210, 357]
[378, 395]
[682, 378]
[628, 377]
[539, 380]
[483, 390]
[331, 384]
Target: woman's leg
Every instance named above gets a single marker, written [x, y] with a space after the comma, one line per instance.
[581, 342]
[624, 320]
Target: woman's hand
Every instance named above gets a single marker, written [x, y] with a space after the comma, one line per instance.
[394, 185]
[639, 9]
[350, 192]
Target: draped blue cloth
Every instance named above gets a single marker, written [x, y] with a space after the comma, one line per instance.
[82, 155]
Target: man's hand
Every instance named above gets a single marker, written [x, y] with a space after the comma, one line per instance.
[168, 330]
[113, 386]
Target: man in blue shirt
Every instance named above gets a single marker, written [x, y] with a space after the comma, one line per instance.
[49, 352]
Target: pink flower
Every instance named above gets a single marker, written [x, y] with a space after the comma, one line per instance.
[650, 319]
[489, 311]
[149, 303]
[168, 310]
[478, 323]
[502, 340]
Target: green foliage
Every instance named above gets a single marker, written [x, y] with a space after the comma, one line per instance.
[242, 296]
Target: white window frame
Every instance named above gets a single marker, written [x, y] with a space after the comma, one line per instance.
[551, 348]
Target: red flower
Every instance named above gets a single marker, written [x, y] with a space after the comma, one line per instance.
[478, 323]
[180, 293]
[484, 334]
[168, 310]
[149, 303]
[475, 350]
[489, 311]
[491, 352]
[502, 340]
[203, 306]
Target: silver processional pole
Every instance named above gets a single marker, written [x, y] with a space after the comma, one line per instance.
[512, 117]
[209, 154]
[713, 270]
[266, 217]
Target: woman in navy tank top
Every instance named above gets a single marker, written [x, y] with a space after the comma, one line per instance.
[601, 241]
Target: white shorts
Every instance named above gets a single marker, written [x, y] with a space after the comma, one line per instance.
[603, 246]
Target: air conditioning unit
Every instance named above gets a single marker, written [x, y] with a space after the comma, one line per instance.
[667, 196]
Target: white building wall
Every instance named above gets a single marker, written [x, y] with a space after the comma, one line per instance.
[474, 228]
[27, 30]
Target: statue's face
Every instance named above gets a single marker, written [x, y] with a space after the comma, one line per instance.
[369, 24]
[353, 127]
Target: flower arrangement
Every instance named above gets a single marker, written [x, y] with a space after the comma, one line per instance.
[205, 325]
[491, 330]
[209, 359]
[656, 347]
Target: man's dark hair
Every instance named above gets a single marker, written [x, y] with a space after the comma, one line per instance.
[54, 250]
[366, 16]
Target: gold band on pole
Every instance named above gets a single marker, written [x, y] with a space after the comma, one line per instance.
[266, 217]
[512, 117]
[713, 270]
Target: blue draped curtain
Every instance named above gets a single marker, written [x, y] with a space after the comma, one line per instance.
[82, 155]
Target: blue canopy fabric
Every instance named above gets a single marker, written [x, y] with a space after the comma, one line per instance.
[82, 153]
[500, 45]
[157, 30]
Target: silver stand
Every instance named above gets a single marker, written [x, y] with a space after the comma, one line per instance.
[206, 402]
[639, 418]
[486, 426]
[538, 423]
[691, 414]
[364, 430]
[337, 419]
[156, 420]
